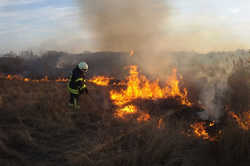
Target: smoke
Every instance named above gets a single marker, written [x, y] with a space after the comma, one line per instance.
[216, 71]
[152, 26]
[207, 75]
[123, 25]
[146, 27]
[215, 88]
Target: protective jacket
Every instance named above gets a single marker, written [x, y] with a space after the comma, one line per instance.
[77, 81]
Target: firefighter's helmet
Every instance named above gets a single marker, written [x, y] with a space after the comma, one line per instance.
[83, 66]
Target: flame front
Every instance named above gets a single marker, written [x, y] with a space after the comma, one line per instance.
[62, 80]
[25, 79]
[139, 87]
[100, 80]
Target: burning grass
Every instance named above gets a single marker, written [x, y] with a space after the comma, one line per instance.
[37, 127]
[25, 79]
[139, 87]
[100, 80]
[243, 121]
[200, 130]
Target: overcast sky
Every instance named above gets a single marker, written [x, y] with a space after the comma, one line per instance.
[199, 25]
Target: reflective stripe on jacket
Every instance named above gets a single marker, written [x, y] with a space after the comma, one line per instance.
[76, 82]
[73, 91]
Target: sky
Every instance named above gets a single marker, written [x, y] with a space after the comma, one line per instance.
[193, 25]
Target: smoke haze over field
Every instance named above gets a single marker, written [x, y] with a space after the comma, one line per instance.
[124, 25]
[160, 25]
[119, 25]
[152, 29]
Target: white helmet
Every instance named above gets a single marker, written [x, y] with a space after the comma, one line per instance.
[83, 66]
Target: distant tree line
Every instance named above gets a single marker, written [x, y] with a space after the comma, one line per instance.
[59, 64]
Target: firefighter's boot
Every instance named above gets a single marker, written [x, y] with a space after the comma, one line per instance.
[76, 105]
[70, 105]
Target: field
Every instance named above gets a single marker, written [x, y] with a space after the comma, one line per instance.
[37, 128]
[168, 83]
[200, 116]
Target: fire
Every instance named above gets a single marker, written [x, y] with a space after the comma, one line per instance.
[17, 77]
[199, 130]
[24, 79]
[132, 53]
[14, 77]
[160, 123]
[132, 110]
[62, 80]
[143, 117]
[45, 79]
[244, 123]
[100, 80]
[247, 117]
[211, 124]
[139, 87]
[129, 109]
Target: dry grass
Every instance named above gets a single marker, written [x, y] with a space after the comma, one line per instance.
[37, 128]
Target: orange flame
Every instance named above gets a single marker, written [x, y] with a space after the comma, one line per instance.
[199, 130]
[244, 123]
[14, 77]
[132, 53]
[62, 80]
[160, 124]
[100, 80]
[21, 78]
[26, 80]
[143, 117]
[131, 110]
[138, 86]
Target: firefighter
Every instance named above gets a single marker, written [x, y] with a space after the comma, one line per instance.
[77, 84]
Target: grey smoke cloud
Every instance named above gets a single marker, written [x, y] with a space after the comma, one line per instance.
[143, 25]
[214, 69]
[215, 88]
[122, 25]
